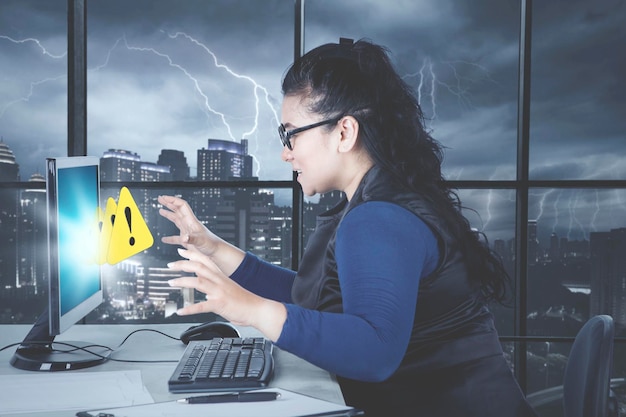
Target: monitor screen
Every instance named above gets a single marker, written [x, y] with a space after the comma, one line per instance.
[75, 282]
[73, 202]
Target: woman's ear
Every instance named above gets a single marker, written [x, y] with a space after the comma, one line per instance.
[349, 131]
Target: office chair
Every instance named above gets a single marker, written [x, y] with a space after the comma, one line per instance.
[586, 384]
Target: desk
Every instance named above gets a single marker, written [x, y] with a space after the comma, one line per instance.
[290, 372]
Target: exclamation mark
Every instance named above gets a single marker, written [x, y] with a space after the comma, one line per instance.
[127, 213]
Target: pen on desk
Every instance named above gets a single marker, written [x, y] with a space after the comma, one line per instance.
[240, 397]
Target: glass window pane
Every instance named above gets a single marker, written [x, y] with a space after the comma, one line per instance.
[33, 126]
[492, 212]
[546, 367]
[576, 268]
[33, 84]
[461, 60]
[546, 362]
[136, 288]
[577, 101]
[174, 75]
[619, 369]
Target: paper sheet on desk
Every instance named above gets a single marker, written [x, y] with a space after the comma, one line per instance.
[72, 391]
[289, 404]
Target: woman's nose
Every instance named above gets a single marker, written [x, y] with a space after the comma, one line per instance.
[286, 155]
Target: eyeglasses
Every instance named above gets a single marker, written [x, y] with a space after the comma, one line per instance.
[285, 135]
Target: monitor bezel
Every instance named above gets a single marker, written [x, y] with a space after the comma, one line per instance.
[59, 323]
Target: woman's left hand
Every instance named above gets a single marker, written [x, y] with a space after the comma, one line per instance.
[225, 297]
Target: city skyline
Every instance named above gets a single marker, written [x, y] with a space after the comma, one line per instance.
[546, 228]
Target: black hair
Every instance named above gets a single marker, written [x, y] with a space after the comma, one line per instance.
[359, 79]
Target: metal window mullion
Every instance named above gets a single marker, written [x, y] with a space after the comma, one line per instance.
[522, 189]
[76, 78]
[297, 197]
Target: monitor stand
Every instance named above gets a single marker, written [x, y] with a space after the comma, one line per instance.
[39, 352]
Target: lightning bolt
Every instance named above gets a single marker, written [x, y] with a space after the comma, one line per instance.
[426, 85]
[33, 84]
[256, 86]
[541, 203]
[36, 42]
[572, 204]
[618, 198]
[490, 196]
[556, 211]
[108, 55]
[28, 96]
[461, 88]
[257, 89]
[259, 92]
[193, 79]
[171, 63]
[594, 216]
[570, 209]
[429, 78]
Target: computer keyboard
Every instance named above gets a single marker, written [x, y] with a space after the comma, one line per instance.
[224, 364]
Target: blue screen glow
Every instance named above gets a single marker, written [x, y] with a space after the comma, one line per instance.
[77, 192]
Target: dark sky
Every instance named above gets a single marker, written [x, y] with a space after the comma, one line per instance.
[171, 74]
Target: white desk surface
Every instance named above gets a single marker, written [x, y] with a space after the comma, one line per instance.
[290, 372]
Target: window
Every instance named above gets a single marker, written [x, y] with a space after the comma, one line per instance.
[193, 92]
[576, 100]
[33, 64]
[33, 125]
[461, 61]
[180, 75]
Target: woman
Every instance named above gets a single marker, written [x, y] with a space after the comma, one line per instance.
[393, 287]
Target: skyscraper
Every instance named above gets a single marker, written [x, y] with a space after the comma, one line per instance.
[222, 161]
[176, 161]
[242, 215]
[533, 243]
[32, 229]
[9, 171]
[120, 165]
[608, 270]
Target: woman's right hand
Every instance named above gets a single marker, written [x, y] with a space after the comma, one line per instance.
[194, 235]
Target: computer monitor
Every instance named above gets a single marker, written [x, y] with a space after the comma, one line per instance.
[74, 279]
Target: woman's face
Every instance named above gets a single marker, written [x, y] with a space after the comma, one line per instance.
[312, 157]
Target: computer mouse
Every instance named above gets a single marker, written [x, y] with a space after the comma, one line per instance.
[208, 331]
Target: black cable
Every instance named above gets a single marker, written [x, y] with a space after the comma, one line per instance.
[10, 346]
[111, 350]
[146, 330]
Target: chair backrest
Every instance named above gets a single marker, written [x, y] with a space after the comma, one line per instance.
[586, 383]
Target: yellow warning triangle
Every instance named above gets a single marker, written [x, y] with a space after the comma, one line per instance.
[91, 246]
[130, 234]
[106, 220]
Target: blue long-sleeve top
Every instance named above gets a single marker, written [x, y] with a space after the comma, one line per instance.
[382, 251]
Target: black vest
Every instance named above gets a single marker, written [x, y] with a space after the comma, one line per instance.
[452, 325]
